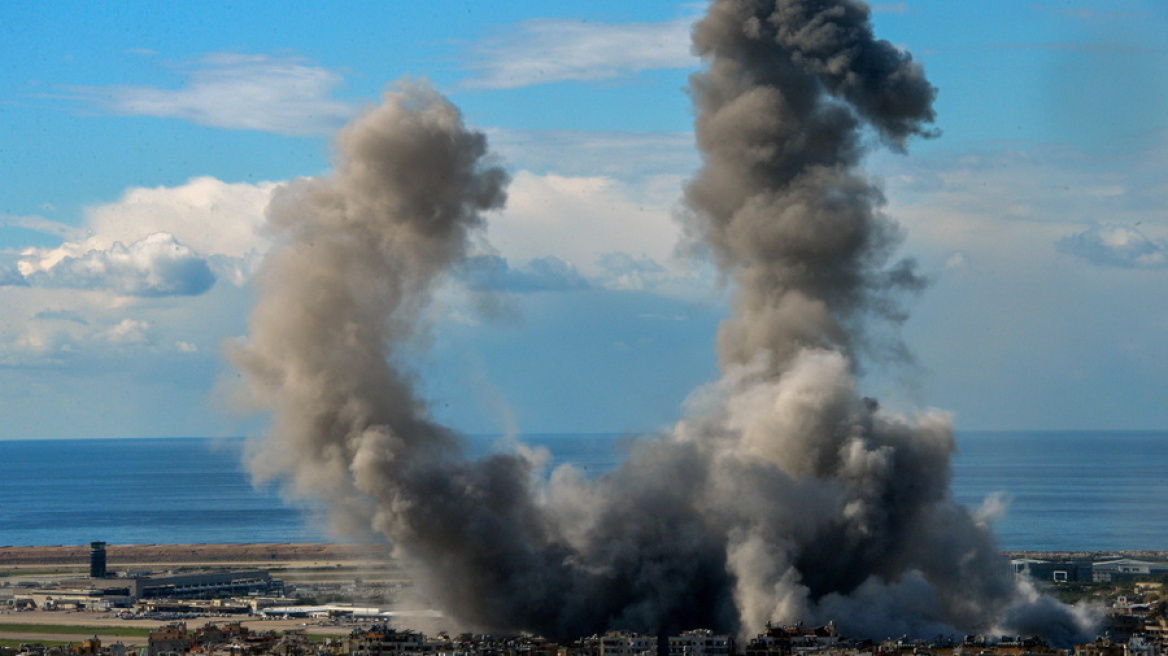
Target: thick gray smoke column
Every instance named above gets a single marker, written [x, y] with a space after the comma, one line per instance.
[783, 496]
[780, 112]
[356, 258]
[836, 510]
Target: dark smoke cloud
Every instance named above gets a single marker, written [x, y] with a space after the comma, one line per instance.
[783, 496]
[356, 257]
[780, 112]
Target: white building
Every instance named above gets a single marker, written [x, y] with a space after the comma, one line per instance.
[1126, 568]
[701, 642]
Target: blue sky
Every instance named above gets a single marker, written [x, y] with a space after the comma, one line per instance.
[141, 141]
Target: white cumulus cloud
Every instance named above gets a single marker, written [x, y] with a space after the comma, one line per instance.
[209, 215]
[615, 234]
[158, 241]
[157, 265]
[1114, 245]
[579, 219]
[128, 331]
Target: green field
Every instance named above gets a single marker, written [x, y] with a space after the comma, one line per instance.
[83, 631]
[5, 642]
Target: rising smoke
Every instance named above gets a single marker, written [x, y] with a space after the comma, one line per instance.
[783, 496]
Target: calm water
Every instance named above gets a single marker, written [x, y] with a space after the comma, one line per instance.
[1067, 490]
[1070, 489]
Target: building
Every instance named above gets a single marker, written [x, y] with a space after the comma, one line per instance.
[796, 639]
[215, 633]
[625, 643]
[1127, 569]
[124, 592]
[74, 597]
[170, 639]
[1058, 571]
[205, 583]
[380, 640]
[97, 569]
[193, 606]
[701, 642]
[1101, 647]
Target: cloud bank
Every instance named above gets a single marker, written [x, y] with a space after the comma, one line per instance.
[164, 241]
[156, 265]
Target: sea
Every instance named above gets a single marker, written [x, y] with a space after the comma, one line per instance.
[1060, 490]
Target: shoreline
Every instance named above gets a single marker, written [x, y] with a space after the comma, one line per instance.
[118, 555]
[1095, 555]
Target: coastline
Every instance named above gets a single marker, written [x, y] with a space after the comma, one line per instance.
[121, 555]
[283, 553]
[1094, 555]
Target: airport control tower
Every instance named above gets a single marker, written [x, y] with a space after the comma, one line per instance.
[97, 560]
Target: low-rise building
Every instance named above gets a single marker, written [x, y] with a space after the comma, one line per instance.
[169, 640]
[1058, 571]
[1127, 569]
[793, 639]
[626, 643]
[701, 642]
[380, 640]
[69, 597]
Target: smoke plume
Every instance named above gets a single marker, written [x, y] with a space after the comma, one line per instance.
[783, 496]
